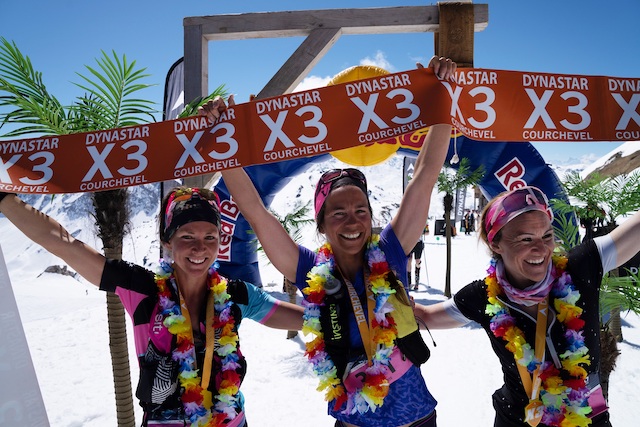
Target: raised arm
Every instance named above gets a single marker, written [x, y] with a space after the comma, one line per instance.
[49, 234]
[412, 215]
[626, 237]
[279, 247]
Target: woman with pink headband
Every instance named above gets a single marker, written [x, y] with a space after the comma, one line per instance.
[367, 348]
[540, 310]
[185, 316]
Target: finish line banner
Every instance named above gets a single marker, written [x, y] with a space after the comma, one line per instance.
[484, 105]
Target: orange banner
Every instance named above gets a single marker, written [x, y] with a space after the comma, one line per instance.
[485, 105]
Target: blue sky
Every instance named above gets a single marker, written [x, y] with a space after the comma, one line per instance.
[568, 36]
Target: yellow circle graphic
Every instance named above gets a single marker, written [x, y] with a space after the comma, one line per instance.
[370, 154]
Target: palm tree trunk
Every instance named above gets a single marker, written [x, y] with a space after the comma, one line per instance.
[609, 353]
[448, 206]
[447, 282]
[120, 361]
[111, 214]
[292, 291]
[119, 350]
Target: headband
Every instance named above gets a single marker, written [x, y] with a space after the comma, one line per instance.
[510, 205]
[188, 205]
[328, 180]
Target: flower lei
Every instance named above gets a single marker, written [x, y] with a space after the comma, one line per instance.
[196, 400]
[563, 397]
[384, 333]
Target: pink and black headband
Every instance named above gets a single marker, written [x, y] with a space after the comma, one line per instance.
[188, 205]
[328, 180]
[511, 204]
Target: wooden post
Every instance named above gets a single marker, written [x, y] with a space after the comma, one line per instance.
[455, 36]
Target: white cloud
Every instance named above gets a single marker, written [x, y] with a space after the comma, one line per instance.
[378, 60]
[312, 82]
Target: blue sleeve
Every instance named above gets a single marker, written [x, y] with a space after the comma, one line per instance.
[260, 306]
[306, 261]
[396, 257]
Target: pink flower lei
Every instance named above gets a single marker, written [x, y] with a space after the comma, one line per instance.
[384, 332]
[564, 401]
[197, 401]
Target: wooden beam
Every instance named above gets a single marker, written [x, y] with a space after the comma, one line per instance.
[312, 49]
[383, 20]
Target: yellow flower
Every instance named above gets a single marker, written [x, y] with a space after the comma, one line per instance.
[334, 391]
[554, 385]
[566, 312]
[575, 420]
[384, 336]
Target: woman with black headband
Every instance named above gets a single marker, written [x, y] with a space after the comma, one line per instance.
[186, 316]
[540, 309]
[367, 349]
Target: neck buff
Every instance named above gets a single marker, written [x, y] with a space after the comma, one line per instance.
[563, 397]
[532, 295]
[187, 205]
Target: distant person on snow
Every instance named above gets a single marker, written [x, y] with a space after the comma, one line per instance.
[369, 369]
[416, 254]
[186, 316]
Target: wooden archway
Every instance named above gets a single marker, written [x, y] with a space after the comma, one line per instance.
[453, 23]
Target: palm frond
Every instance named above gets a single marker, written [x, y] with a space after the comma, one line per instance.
[566, 231]
[621, 293]
[191, 109]
[109, 90]
[24, 92]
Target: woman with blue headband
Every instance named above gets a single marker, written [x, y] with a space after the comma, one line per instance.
[540, 310]
[186, 316]
[367, 349]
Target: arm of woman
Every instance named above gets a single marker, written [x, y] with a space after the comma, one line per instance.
[412, 215]
[436, 316]
[625, 238]
[286, 316]
[279, 247]
[48, 233]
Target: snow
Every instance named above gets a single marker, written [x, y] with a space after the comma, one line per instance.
[65, 323]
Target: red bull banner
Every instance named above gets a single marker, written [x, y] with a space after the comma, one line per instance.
[484, 105]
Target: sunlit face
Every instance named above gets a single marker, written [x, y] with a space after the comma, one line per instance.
[194, 247]
[526, 246]
[347, 220]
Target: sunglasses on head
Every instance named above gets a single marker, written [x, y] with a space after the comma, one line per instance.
[335, 174]
[329, 177]
[513, 204]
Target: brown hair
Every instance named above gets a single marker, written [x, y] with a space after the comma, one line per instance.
[483, 228]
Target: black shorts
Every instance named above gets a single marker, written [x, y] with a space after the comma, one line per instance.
[417, 249]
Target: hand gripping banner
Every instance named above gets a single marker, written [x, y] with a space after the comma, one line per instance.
[484, 105]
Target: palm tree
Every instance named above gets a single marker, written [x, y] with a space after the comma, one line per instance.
[601, 199]
[449, 183]
[108, 102]
[620, 196]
